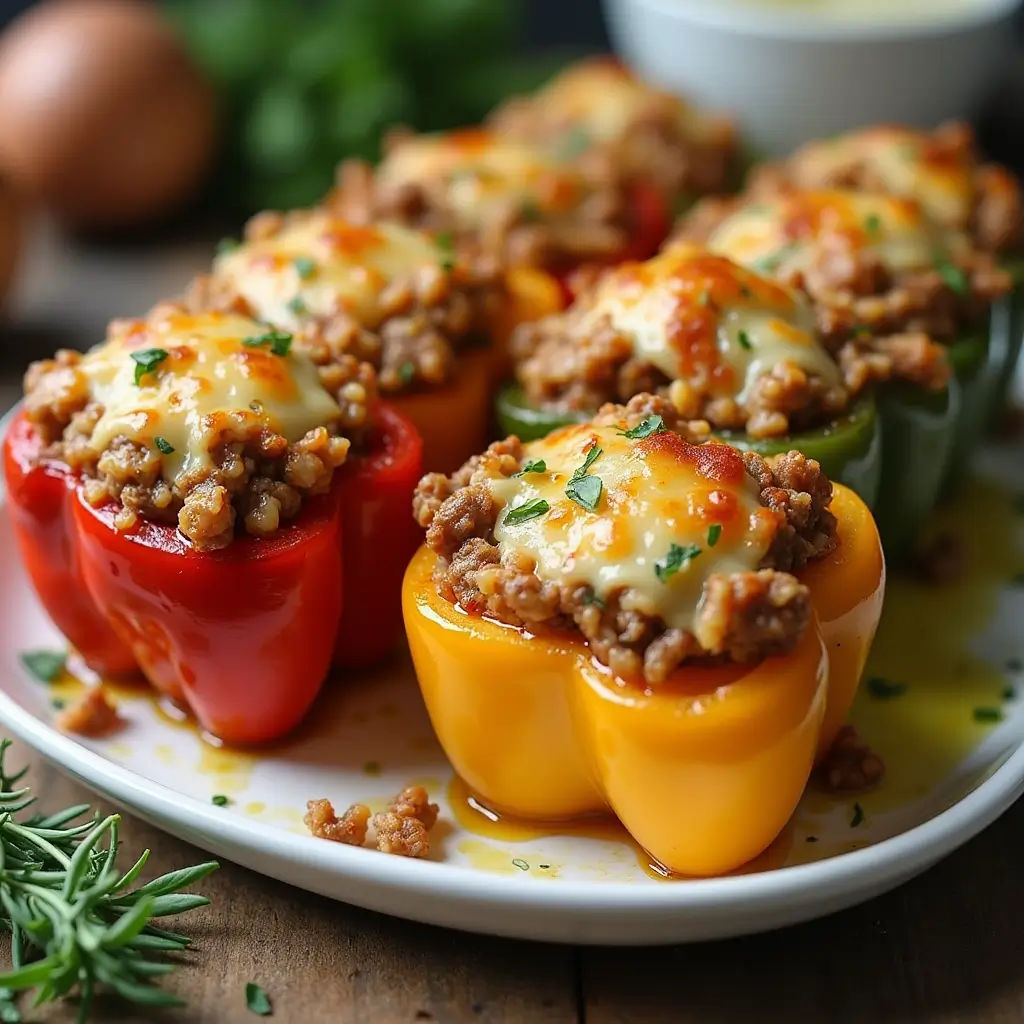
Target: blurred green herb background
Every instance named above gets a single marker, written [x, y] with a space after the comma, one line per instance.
[304, 84]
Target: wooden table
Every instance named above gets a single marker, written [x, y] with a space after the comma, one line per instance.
[947, 947]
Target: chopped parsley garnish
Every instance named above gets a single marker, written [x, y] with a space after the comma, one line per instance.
[520, 863]
[219, 800]
[147, 361]
[677, 557]
[884, 689]
[1014, 664]
[44, 665]
[406, 372]
[304, 267]
[297, 305]
[529, 211]
[744, 339]
[704, 298]
[647, 426]
[164, 446]
[714, 532]
[58, 705]
[573, 143]
[988, 715]
[1009, 693]
[583, 489]
[279, 342]
[858, 816]
[533, 466]
[953, 277]
[746, 292]
[524, 513]
[861, 329]
[544, 867]
[445, 241]
[226, 245]
[591, 598]
[774, 259]
[256, 1000]
[873, 223]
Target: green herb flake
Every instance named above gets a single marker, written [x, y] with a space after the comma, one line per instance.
[226, 245]
[704, 298]
[164, 446]
[585, 491]
[885, 689]
[811, 839]
[677, 557]
[1014, 664]
[744, 339]
[1009, 693]
[219, 800]
[521, 864]
[533, 466]
[953, 277]
[872, 224]
[530, 212]
[407, 372]
[591, 598]
[774, 260]
[746, 292]
[525, 512]
[58, 705]
[256, 1000]
[372, 768]
[297, 305]
[714, 532]
[147, 361]
[445, 241]
[858, 815]
[44, 665]
[279, 342]
[988, 715]
[592, 457]
[544, 867]
[304, 267]
[647, 426]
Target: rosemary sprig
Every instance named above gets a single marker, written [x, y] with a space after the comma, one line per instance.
[75, 925]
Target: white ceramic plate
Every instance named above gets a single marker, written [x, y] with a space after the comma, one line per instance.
[370, 736]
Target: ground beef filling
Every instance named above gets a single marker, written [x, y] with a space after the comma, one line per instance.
[880, 325]
[564, 368]
[514, 233]
[256, 479]
[422, 324]
[995, 222]
[743, 616]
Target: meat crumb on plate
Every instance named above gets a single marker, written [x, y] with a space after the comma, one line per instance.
[850, 766]
[92, 714]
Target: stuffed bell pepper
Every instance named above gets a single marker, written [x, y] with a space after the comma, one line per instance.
[505, 202]
[902, 303]
[727, 345]
[390, 296]
[944, 172]
[618, 618]
[597, 112]
[194, 497]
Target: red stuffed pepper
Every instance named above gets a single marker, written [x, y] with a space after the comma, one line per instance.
[190, 499]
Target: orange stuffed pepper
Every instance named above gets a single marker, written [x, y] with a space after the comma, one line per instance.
[616, 618]
[396, 298]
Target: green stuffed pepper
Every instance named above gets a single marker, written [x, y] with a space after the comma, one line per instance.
[736, 352]
[904, 306]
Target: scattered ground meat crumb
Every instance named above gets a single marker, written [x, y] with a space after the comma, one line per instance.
[92, 714]
[403, 829]
[943, 560]
[349, 829]
[850, 766]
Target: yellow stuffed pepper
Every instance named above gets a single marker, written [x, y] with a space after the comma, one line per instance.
[433, 327]
[623, 616]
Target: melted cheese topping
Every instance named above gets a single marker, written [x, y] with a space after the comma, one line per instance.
[318, 266]
[902, 162]
[484, 174]
[657, 492]
[209, 386]
[603, 99]
[701, 318]
[786, 231]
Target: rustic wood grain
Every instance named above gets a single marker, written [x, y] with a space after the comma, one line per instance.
[948, 948]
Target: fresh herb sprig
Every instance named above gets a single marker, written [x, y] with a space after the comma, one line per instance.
[75, 923]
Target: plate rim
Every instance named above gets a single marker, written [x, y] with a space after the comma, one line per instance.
[841, 878]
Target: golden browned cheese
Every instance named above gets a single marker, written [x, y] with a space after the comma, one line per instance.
[699, 317]
[318, 265]
[784, 232]
[484, 175]
[209, 385]
[663, 502]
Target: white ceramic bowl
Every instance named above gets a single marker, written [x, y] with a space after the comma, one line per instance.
[789, 77]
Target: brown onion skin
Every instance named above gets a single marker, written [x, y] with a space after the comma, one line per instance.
[104, 119]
